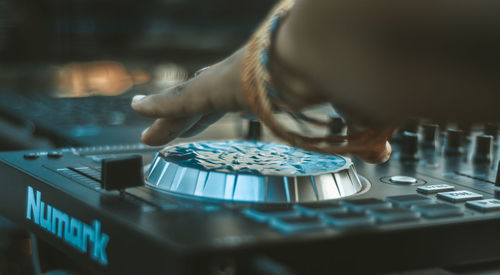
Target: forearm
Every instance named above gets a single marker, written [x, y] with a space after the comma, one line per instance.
[362, 60]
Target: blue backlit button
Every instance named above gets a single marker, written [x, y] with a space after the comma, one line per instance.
[365, 204]
[394, 215]
[54, 154]
[459, 196]
[31, 156]
[296, 224]
[264, 214]
[312, 209]
[438, 210]
[436, 188]
[347, 220]
[488, 205]
[403, 179]
[408, 200]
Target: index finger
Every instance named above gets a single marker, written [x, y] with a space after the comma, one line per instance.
[216, 89]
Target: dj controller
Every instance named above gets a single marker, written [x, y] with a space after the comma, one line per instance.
[250, 207]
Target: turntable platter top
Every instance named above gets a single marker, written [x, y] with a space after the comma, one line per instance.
[250, 171]
[255, 158]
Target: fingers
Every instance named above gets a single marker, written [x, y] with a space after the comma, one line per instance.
[201, 125]
[371, 145]
[376, 154]
[165, 130]
[190, 107]
[177, 101]
[217, 89]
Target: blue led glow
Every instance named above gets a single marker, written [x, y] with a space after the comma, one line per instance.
[250, 157]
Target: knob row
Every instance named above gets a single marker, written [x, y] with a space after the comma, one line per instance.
[454, 144]
[430, 131]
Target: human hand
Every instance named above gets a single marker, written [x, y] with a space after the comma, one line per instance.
[389, 60]
[189, 108]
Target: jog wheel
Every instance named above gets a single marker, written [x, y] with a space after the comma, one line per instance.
[248, 171]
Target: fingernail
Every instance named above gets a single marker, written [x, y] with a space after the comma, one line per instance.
[137, 98]
[145, 130]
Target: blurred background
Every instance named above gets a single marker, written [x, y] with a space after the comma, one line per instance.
[68, 68]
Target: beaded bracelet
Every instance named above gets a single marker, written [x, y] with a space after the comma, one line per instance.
[263, 98]
[258, 90]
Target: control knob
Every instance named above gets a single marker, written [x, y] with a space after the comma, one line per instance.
[411, 125]
[491, 129]
[497, 182]
[484, 145]
[454, 142]
[409, 147]
[254, 130]
[430, 132]
[467, 128]
[337, 126]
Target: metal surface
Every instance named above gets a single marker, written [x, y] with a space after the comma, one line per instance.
[186, 234]
[255, 174]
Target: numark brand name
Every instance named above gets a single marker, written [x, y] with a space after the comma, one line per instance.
[84, 237]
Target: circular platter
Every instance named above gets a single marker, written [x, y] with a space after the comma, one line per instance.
[250, 171]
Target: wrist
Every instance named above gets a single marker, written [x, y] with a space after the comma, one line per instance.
[296, 88]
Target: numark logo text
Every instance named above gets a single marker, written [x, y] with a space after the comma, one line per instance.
[84, 237]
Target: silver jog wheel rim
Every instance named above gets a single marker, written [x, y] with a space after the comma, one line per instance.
[194, 181]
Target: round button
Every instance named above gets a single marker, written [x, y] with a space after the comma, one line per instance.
[31, 155]
[54, 154]
[403, 179]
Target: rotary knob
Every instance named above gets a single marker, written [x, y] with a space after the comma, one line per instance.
[467, 129]
[337, 126]
[497, 182]
[484, 144]
[491, 129]
[411, 125]
[454, 142]
[409, 147]
[430, 132]
[254, 130]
